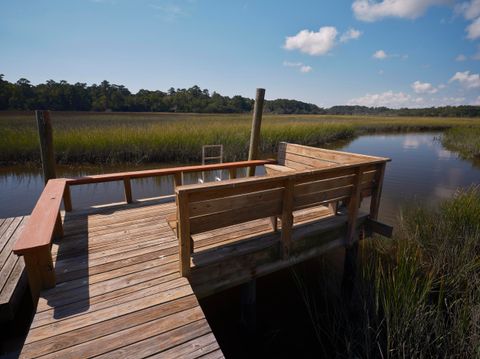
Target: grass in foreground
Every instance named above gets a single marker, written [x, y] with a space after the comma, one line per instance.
[165, 137]
[464, 140]
[417, 296]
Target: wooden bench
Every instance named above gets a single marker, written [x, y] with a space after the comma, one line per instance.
[35, 241]
[205, 207]
[292, 157]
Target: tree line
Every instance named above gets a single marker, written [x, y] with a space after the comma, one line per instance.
[63, 96]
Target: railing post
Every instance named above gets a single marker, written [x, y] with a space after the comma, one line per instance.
[185, 245]
[377, 191]
[40, 271]
[128, 190]
[67, 198]
[287, 217]
[177, 179]
[232, 172]
[45, 135]
[353, 204]
[256, 125]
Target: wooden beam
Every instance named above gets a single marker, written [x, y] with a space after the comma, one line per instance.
[45, 135]
[287, 217]
[232, 173]
[128, 190]
[67, 198]
[177, 179]
[184, 237]
[377, 191]
[40, 271]
[256, 125]
[353, 205]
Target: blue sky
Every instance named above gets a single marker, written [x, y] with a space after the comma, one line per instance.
[397, 53]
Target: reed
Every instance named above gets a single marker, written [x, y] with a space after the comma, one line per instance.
[417, 295]
[464, 140]
[164, 137]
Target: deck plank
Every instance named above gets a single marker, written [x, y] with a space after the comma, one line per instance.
[13, 282]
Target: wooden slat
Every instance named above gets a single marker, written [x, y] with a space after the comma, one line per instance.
[235, 216]
[231, 203]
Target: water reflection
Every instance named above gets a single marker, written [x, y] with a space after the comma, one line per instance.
[421, 170]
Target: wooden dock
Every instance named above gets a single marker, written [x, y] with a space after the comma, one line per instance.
[13, 280]
[123, 280]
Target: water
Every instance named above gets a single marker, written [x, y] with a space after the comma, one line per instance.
[421, 170]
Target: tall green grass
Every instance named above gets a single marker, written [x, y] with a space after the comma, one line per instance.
[417, 296]
[161, 137]
[464, 140]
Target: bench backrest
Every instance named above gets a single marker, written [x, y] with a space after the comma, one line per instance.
[304, 157]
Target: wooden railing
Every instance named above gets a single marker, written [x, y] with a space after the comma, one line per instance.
[45, 221]
[205, 207]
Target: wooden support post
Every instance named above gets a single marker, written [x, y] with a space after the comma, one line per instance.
[185, 245]
[177, 179]
[128, 190]
[232, 172]
[287, 217]
[45, 134]
[377, 191]
[40, 271]
[274, 223]
[67, 199]
[249, 306]
[353, 204]
[58, 229]
[256, 125]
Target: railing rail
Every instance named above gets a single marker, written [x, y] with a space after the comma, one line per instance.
[176, 172]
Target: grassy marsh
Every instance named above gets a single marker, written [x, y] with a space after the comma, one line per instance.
[464, 140]
[166, 137]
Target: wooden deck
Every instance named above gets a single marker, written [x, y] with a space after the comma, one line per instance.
[13, 280]
[123, 280]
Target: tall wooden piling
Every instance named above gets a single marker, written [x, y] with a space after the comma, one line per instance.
[45, 135]
[256, 125]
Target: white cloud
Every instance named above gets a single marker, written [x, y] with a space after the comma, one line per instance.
[470, 9]
[461, 57]
[441, 86]
[388, 99]
[380, 55]
[476, 102]
[313, 43]
[368, 10]
[305, 68]
[423, 87]
[350, 34]
[473, 30]
[466, 79]
[292, 64]
[300, 65]
[381, 72]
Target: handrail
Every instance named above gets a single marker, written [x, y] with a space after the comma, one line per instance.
[164, 172]
[34, 243]
[175, 171]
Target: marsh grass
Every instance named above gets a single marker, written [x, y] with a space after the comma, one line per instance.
[417, 296]
[464, 140]
[165, 137]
